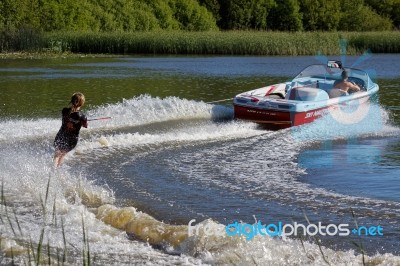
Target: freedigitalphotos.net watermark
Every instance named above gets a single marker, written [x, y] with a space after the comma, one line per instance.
[280, 229]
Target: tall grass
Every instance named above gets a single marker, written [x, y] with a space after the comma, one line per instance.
[204, 43]
[22, 39]
[376, 42]
[38, 253]
[221, 43]
[224, 43]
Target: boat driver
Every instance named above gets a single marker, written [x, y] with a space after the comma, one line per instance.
[343, 86]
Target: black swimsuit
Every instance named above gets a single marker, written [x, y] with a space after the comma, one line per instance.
[68, 135]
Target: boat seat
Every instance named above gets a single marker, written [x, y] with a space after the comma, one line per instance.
[328, 87]
[337, 93]
[307, 94]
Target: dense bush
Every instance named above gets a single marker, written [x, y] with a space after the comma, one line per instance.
[23, 23]
[245, 14]
[106, 15]
[387, 8]
[286, 16]
[200, 15]
[320, 14]
[358, 17]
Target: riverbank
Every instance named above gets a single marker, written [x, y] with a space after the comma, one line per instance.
[206, 43]
[49, 55]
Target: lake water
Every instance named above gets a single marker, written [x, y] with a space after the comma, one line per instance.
[168, 153]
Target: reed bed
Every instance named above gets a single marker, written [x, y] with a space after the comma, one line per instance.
[224, 43]
[221, 43]
[376, 42]
[203, 43]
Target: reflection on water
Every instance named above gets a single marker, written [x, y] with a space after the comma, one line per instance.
[22, 96]
[357, 168]
[37, 88]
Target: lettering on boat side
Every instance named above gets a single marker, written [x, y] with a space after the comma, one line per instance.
[317, 113]
[260, 112]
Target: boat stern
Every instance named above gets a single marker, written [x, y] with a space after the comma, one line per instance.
[270, 112]
[273, 119]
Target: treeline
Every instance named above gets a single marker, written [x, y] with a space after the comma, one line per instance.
[305, 15]
[199, 15]
[165, 26]
[105, 15]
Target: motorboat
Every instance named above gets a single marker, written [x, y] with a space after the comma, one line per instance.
[309, 96]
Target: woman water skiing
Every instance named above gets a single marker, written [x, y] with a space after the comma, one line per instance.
[68, 135]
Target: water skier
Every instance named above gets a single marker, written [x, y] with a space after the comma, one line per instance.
[72, 121]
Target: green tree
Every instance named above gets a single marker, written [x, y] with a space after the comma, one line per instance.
[123, 15]
[286, 16]
[15, 14]
[235, 15]
[50, 15]
[191, 16]
[164, 14]
[103, 13]
[246, 14]
[65, 15]
[320, 14]
[19, 24]
[2, 19]
[358, 17]
[135, 16]
[141, 19]
[387, 8]
[259, 13]
[213, 6]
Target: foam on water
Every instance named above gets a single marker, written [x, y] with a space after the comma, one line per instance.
[21, 129]
[137, 111]
[70, 197]
[369, 119]
[272, 162]
[145, 109]
[61, 209]
[59, 202]
[207, 132]
[222, 249]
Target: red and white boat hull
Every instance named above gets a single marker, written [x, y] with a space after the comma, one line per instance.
[275, 113]
[278, 119]
[309, 96]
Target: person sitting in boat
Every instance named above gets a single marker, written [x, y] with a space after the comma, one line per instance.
[343, 86]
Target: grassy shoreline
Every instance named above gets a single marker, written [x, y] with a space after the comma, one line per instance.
[25, 55]
[204, 43]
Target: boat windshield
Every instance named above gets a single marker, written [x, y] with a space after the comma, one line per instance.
[327, 73]
[319, 71]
